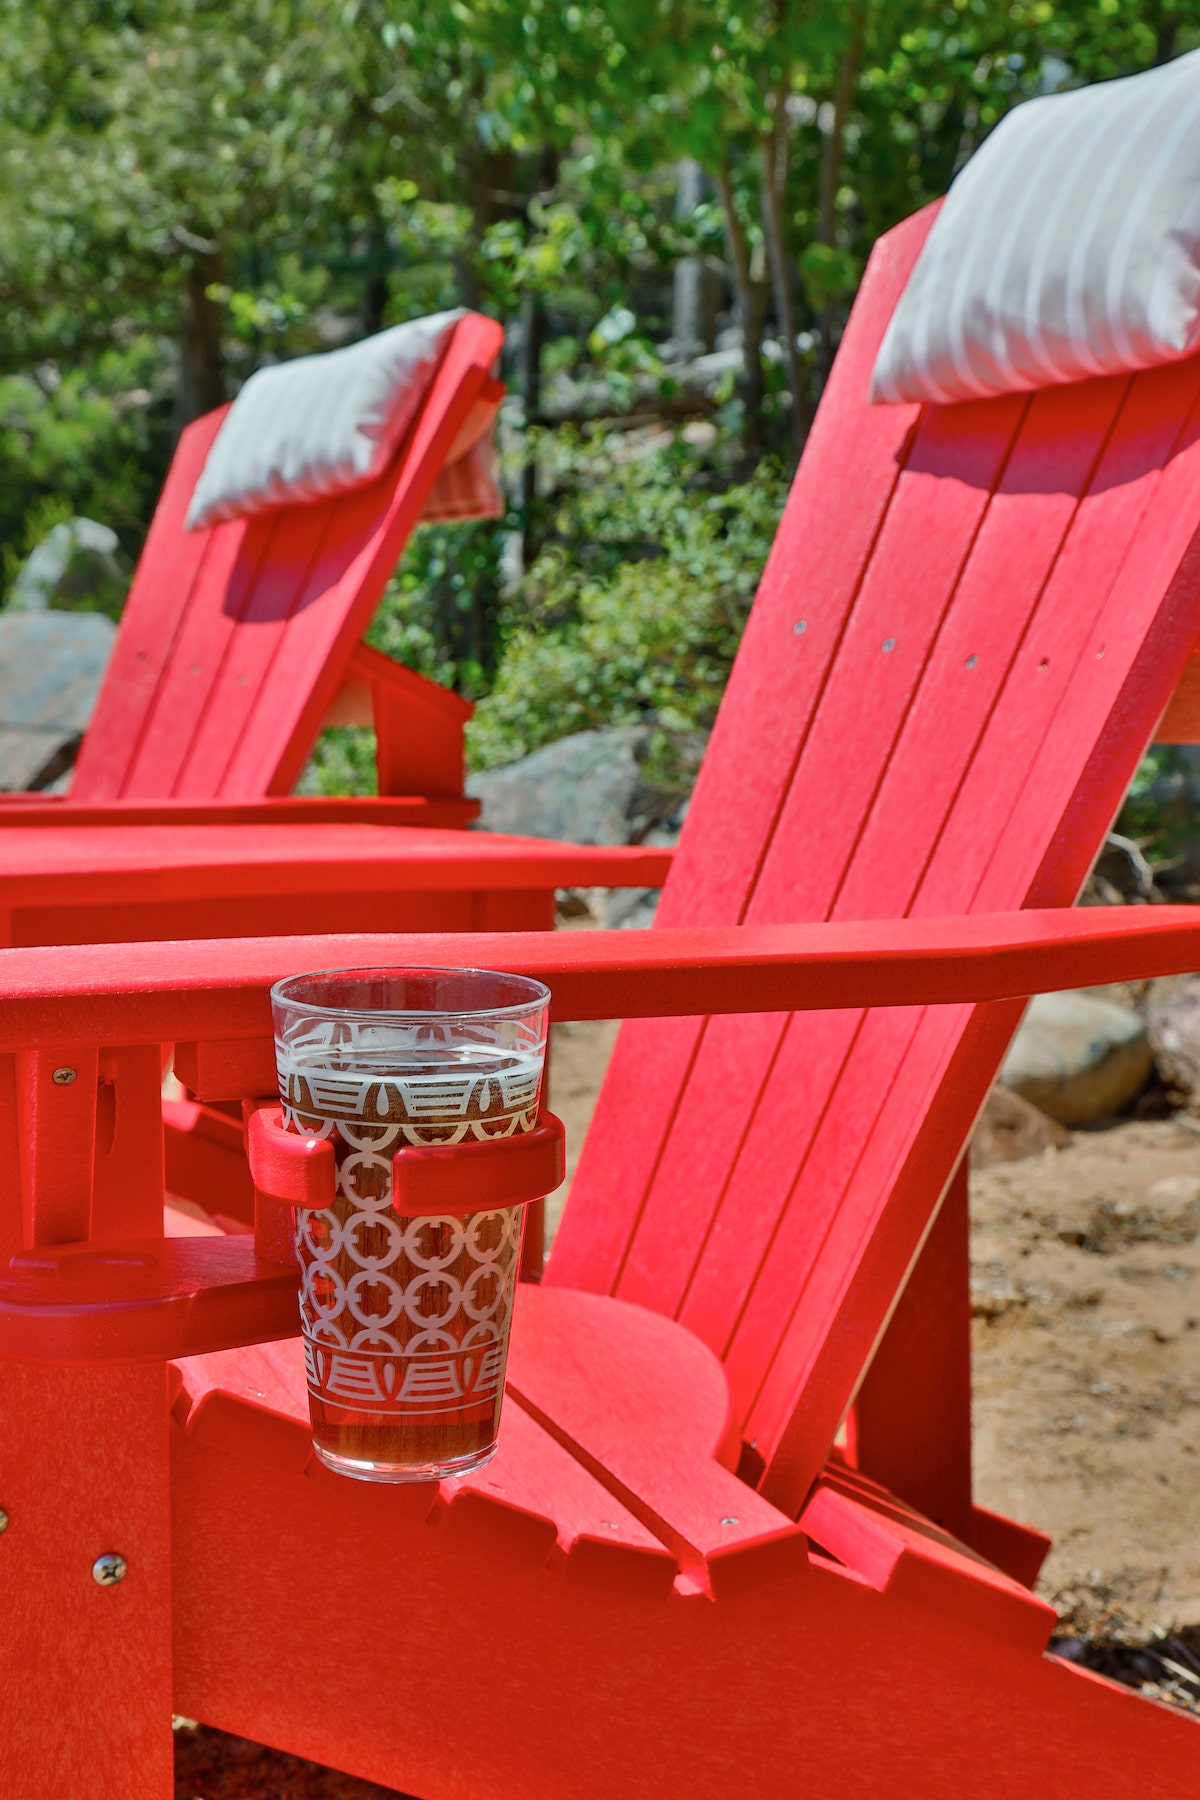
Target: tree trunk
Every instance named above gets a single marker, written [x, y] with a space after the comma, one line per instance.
[694, 296]
[201, 360]
[772, 188]
[489, 183]
[533, 318]
[533, 321]
[831, 168]
[377, 288]
[752, 306]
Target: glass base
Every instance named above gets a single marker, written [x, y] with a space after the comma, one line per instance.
[359, 1470]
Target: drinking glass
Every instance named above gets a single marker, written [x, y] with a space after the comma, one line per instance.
[405, 1321]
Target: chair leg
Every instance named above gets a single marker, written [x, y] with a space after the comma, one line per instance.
[911, 1424]
[85, 1668]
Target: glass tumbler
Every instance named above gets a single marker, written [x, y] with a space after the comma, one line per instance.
[405, 1320]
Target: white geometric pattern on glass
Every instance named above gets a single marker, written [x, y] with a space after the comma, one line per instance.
[396, 1313]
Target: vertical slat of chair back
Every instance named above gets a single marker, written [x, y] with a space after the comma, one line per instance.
[176, 573]
[997, 600]
[219, 692]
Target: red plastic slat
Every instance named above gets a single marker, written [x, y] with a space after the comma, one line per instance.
[235, 639]
[143, 1300]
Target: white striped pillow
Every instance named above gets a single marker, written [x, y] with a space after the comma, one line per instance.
[318, 425]
[1069, 246]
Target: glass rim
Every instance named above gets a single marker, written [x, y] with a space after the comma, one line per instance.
[539, 995]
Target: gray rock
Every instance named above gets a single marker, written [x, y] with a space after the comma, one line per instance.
[77, 564]
[1171, 1006]
[51, 666]
[1078, 1057]
[594, 787]
[1011, 1128]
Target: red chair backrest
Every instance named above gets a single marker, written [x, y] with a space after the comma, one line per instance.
[969, 626]
[235, 639]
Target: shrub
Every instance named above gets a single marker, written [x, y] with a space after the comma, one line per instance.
[633, 610]
[630, 613]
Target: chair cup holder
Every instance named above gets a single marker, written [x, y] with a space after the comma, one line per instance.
[427, 1179]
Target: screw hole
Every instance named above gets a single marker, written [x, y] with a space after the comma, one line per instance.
[800, 627]
[1100, 651]
[889, 644]
[971, 661]
[1043, 665]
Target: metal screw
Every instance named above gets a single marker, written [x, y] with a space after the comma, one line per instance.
[730, 1521]
[3, 1520]
[800, 627]
[108, 1569]
[64, 1077]
[889, 644]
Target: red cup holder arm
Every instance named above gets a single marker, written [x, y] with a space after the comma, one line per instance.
[290, 1170]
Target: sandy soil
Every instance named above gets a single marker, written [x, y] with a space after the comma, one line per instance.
[1085, 1266]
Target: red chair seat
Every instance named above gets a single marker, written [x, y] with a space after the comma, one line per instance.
[616, 1431]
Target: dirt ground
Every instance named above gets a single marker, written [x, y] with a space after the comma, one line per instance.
[1086, 1301]
[1085, 1266]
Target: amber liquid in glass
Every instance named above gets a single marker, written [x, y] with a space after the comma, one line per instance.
[406, 1319]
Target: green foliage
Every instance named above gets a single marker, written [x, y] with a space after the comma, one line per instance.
[342, 762]
[440, 613]
[633, 611]
[92, 440]
[189, 188]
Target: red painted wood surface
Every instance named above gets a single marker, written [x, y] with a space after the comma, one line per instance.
[116, 883]
[611, 1514]
[85, 1671]
[218, 992]
[969, 628]
[142, 1299]
[236, 640]
[910, 1426]
[36, 810]
[996, 601]
[638, 1683]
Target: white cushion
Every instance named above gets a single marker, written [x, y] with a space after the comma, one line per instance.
[313, 427]
[1069, 246]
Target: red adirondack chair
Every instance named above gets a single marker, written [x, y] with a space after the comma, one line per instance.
[670, 1579]
[239, 641]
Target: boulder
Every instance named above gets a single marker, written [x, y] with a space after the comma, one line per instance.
[51, 666]
[1171, 1007]
[595, 787]
[1078, 1056]
[1011, 1128]
[627, 785]
[77, 565]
